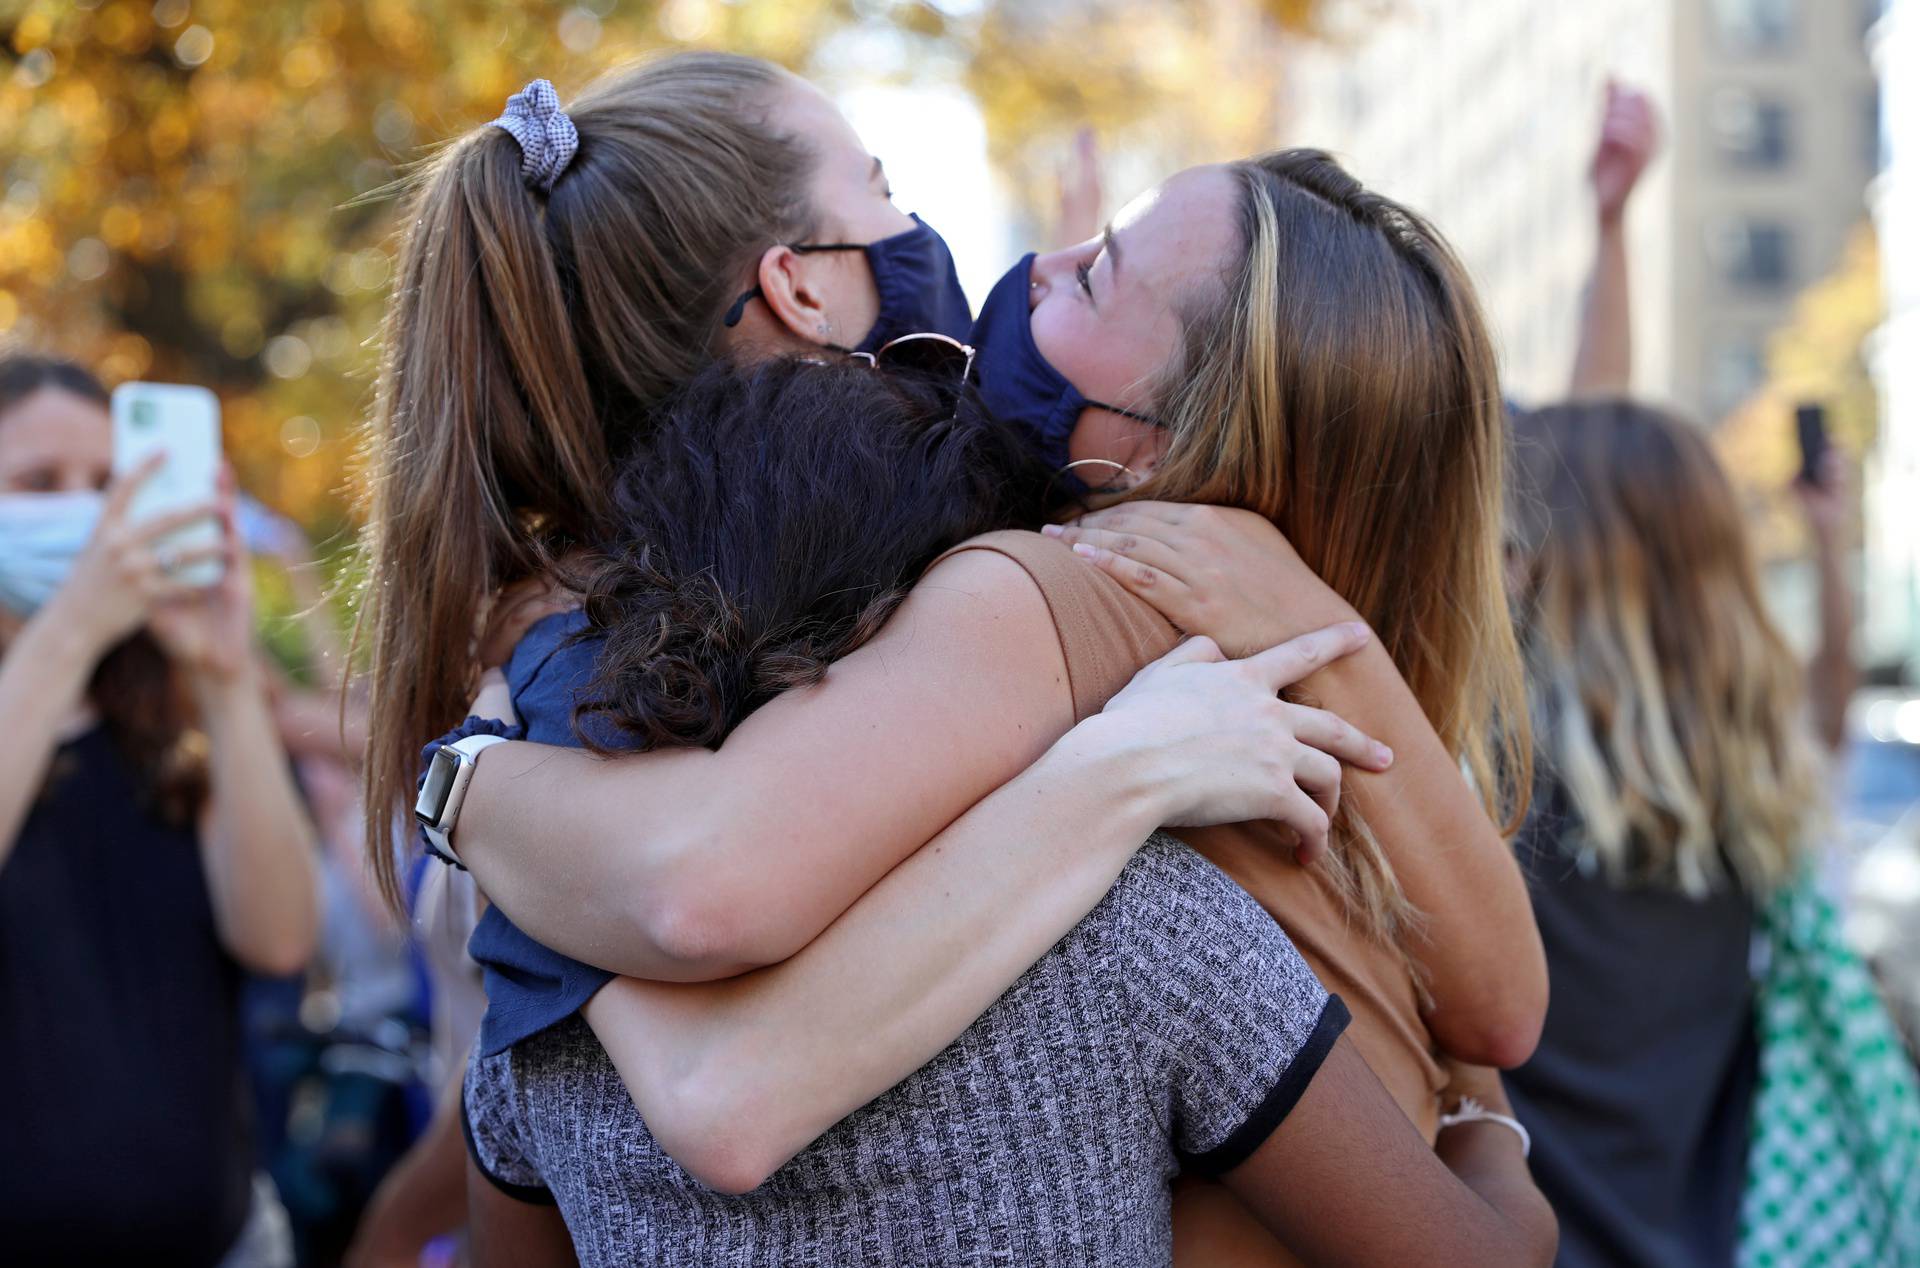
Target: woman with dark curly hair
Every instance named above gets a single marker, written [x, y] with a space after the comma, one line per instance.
[774, 520]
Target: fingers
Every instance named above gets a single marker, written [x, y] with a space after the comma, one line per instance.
[158, 526]
[1833, 470]
[1308, 821]
[1332, 734]
[177, 562]
[1144, 581]
[1198, 650]
[1133, 514]
[1318, 775]
[1298, 658]
[120, 493]
[1141, 547]
[1307, 855]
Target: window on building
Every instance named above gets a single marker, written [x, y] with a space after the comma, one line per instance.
[1736, 366]
[1751, 131]
[1751, 253]
[1754, 26]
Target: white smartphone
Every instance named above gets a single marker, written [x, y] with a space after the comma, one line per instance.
[182, 422]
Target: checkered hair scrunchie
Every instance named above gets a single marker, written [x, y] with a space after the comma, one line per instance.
[547, 137]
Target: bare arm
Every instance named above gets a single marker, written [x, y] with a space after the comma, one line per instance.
[1831, 673]
[48, 660]
[1232, 575]
[256, 841]
[43, 679]
[1629, 138]
[735, 1077]
[422, 1197]
[1346, 1180]
[503, 1232]
[1603, 357]
[686, 865]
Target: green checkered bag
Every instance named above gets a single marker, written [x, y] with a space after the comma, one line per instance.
[1834, 1172]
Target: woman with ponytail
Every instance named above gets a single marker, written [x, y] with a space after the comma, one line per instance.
[560, 273]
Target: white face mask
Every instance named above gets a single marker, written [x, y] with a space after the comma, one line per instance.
[41, 534]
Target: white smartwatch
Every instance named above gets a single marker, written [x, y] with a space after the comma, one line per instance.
[445, 789]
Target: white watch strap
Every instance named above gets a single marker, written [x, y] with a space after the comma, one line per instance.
[469, 746]
[1472, 1111]
[468, 749]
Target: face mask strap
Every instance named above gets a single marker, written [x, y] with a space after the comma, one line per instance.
[1135, 415]
[739, 309]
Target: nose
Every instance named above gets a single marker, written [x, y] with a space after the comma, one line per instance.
[1053, 268]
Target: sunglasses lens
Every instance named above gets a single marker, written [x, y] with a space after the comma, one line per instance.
[930, 355]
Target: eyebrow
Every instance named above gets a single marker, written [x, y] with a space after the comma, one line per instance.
[1113, 247]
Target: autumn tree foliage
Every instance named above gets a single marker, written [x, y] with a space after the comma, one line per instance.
[1819, 356]
[200, 190]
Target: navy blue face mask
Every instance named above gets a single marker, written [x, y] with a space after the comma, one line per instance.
[918, 285]
[1020, 386]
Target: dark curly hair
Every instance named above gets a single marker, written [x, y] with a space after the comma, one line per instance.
[771, 522]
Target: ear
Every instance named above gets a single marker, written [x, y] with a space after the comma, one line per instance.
[786, 284]
[1150, 451]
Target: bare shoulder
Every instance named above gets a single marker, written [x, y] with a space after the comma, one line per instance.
[976, 595]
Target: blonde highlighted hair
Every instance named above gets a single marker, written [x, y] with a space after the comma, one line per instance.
[1670, 709]
[1344, 385]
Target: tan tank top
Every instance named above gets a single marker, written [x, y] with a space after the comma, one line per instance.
[1106, 635]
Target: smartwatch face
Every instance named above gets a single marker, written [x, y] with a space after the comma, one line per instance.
[433, 795]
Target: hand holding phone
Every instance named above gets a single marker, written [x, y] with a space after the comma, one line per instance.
[182, 424]
[1810, 426]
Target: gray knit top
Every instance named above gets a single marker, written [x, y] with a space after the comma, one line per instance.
[1172, 1029]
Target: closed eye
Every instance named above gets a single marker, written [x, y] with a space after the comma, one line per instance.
[1081, 271]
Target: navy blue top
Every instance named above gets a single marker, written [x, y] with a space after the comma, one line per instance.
[127, 1131]
[1640, 1096]
[530, 986]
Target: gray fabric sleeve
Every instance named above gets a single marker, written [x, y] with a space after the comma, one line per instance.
[496, 1136]
[1228, 1020]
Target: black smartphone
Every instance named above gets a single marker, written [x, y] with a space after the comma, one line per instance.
[1810, 423]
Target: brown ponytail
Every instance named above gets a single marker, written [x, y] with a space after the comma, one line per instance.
[527, 340]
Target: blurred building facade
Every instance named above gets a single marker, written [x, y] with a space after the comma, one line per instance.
[1482, 113]
[1893, 470]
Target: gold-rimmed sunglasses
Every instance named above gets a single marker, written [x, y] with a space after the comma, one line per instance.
[928, 353]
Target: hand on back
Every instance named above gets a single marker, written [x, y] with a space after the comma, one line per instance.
[1225, 573]
[1230, 749]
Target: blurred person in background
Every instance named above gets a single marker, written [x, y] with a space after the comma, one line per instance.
[422, 1201]
[1628, 143]
[341, 1066]
[152, 850]
[1680, 782]
[1678, 773]
[1677, 779]
[1681, 785]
